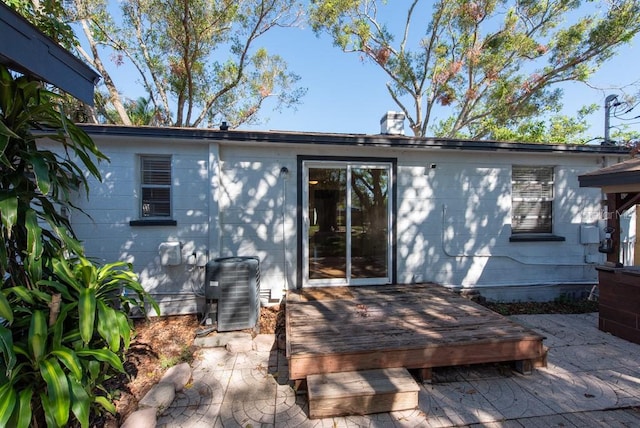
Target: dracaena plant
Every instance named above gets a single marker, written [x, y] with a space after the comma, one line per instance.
[64, 325]
[67, 336]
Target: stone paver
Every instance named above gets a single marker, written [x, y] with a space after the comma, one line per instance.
[592, 379]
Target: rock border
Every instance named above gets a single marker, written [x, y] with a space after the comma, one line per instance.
[159, 397]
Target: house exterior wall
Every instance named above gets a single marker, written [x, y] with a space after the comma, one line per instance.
[455, 223]
[452, 213]
[257, 212]
[112, 204]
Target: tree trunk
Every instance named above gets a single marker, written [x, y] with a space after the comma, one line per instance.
[114, 96]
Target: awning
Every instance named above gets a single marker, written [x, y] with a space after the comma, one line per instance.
[622, 177]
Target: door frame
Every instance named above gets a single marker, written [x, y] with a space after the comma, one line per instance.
[300, 209]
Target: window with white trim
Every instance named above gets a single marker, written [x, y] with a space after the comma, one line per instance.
[532, 199]
[155, 186]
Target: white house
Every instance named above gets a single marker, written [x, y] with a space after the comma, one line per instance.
[507, 220]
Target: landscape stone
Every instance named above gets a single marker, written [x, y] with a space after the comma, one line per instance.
[144, 418]
[160, 396]
[178, 375]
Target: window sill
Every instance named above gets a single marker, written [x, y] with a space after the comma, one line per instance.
[527, 237]
[153, 222]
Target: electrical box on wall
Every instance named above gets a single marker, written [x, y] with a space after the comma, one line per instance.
[589, 235]
[170, 254]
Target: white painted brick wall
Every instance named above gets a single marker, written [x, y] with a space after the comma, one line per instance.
[467, 193]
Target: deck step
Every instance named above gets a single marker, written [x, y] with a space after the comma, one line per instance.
[361, 392]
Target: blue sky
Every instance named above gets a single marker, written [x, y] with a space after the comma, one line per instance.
[348, 95]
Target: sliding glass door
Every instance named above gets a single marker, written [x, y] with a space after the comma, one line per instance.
[347, 222]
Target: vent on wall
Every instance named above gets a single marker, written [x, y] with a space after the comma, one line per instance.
[235, 283]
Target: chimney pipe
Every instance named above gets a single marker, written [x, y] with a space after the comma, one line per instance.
[392, 123]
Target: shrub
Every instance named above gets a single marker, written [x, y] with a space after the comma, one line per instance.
[65, 338]
[63, 320]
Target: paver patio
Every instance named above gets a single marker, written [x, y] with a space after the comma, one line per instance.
[592, 379]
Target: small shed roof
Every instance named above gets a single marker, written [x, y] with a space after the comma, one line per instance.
[27, 50]
[618, 178]
[621, 183]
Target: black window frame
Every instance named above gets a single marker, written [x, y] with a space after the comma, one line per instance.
[156, 188]
[532, 188]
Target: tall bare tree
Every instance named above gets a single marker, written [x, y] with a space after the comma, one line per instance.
[491, 65]
[198, 59]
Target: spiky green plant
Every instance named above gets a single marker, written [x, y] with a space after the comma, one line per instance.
[63, 320]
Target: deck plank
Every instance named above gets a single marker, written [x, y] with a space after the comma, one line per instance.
[412, 326]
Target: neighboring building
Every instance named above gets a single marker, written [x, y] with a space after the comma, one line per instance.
[507, 220]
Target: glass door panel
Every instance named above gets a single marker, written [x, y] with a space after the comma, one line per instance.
[347, 217]
[369, 223]
[327, 229]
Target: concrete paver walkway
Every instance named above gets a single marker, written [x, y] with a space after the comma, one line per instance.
[592, 379]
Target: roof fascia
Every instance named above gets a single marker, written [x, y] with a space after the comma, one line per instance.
[362, 140]
[611, 179]
[27, 50]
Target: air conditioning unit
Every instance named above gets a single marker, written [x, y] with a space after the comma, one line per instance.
[232, 291]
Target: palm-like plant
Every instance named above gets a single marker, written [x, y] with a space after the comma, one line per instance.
[63, 321]
[142, 112]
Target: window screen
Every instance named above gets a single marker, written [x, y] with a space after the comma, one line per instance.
[155, 173]
[532, 199]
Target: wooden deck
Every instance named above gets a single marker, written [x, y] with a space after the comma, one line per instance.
[340, 329]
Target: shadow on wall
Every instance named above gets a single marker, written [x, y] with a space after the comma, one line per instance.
[455, 229]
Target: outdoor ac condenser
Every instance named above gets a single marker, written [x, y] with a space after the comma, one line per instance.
[234, 283]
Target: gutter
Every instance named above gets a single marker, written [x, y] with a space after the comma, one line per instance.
[350, 140]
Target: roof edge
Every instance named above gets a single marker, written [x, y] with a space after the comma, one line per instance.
[371, 140]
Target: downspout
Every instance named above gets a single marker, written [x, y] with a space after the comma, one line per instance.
[214, 226]
[284, 174]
